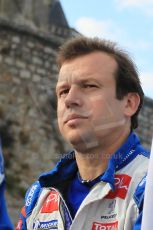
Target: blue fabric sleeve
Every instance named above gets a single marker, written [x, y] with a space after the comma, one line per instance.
[21, 225]
[30, 200]
[5, 222]
[139, 199]
[137, 225]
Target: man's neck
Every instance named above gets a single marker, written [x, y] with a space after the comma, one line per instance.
[93, 163]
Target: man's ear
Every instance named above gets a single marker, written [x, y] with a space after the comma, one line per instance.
[132, 104]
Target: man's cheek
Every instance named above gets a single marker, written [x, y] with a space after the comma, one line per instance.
[60, 111]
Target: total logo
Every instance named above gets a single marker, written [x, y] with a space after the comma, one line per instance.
[105, 226]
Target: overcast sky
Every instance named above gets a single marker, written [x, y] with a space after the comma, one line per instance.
[128, 22]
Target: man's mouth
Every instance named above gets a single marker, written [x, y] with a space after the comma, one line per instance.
[73, 117]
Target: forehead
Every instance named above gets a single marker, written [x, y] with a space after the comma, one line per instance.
[86, 66]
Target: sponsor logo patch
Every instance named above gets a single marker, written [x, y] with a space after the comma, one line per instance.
[51, 203]
[30, 195]
[109, 217]
[105, 226]
[122, 183]
[50, 225]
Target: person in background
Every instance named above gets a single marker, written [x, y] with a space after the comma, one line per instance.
[5, 222]
[94, 186]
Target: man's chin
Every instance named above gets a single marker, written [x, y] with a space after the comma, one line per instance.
[83, 142]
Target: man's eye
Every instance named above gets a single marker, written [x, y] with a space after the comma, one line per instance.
[63, 92]
[90, 86]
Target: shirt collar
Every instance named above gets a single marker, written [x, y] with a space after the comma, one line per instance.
[123, 156]
[67, 166]
[64, 168]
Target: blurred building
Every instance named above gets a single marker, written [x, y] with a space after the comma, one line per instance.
[30, 34]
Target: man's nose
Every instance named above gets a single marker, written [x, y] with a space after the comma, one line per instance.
[73, 98]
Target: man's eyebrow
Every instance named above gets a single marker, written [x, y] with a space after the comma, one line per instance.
[60, 85]
[84, 81]
[87, 80]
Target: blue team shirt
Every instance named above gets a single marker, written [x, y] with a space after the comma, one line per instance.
[5, 223]
[81, 190]
[77, 191]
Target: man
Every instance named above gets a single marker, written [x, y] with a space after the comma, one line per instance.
[93, 187]
[5, 223]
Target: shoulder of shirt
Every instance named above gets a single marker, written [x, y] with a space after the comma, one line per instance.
[139, 193]
[31, 197]
[145, 153]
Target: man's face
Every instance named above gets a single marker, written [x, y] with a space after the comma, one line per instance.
[88, 111]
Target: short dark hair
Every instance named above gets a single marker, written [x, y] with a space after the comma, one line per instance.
[126, 75]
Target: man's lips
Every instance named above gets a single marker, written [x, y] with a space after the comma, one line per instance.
[73, 117]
